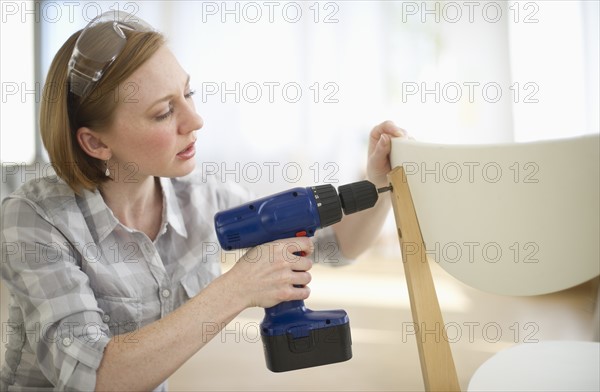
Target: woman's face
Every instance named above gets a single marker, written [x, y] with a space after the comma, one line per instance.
[153, 129]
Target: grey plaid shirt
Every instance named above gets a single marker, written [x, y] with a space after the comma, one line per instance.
[78, 277]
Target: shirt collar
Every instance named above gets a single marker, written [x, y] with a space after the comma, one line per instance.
[94, 209]
[104, 221]
[171, 208]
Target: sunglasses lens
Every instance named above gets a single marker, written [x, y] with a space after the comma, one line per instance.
[101, 43]
[98, 46]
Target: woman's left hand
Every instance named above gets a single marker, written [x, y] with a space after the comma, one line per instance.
[380, 145]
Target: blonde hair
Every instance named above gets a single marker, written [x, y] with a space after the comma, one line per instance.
[62, 112]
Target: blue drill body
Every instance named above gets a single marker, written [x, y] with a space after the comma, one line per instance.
[293, 336]
[282, 215]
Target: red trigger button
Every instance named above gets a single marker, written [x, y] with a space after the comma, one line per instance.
[301, 234]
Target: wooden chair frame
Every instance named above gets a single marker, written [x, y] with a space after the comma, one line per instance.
[437, 363]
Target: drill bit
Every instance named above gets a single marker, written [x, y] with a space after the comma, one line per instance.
[385, 189]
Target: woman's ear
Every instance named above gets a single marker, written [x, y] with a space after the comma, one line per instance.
[91, 143]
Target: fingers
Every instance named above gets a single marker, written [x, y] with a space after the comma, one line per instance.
[298, 245]
[294, 265]
[384, 144]
[295, 252]
[300, 293]
[290, 293]
[275, 272]
[300, 278]
[388, 128]
[380, 136]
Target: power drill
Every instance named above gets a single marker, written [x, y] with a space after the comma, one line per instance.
[293, 336]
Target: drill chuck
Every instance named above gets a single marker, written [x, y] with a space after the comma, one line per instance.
[358, 196]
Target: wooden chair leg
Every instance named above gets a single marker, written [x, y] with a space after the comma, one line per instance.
[437, 364]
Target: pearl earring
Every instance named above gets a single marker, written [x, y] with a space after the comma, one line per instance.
[107, 172]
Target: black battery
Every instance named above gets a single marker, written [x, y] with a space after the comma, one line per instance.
[306, 339]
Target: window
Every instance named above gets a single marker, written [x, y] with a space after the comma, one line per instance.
[20, 90]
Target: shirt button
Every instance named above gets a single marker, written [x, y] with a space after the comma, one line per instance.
[67, 342]
[166, 293]
[106, 318]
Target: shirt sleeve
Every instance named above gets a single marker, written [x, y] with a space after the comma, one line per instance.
[61, 319]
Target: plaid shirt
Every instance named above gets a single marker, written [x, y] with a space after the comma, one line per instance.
[78, 277]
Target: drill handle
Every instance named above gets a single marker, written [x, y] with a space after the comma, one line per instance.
[294, 306]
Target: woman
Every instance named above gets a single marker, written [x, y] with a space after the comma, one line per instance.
[106, 263]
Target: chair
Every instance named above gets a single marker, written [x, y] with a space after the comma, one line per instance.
[518, 219]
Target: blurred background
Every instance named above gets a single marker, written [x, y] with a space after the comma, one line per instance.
[289, 92]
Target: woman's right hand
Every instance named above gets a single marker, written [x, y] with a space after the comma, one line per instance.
[271, 273]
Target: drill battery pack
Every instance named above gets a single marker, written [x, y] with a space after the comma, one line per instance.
[295, 337]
